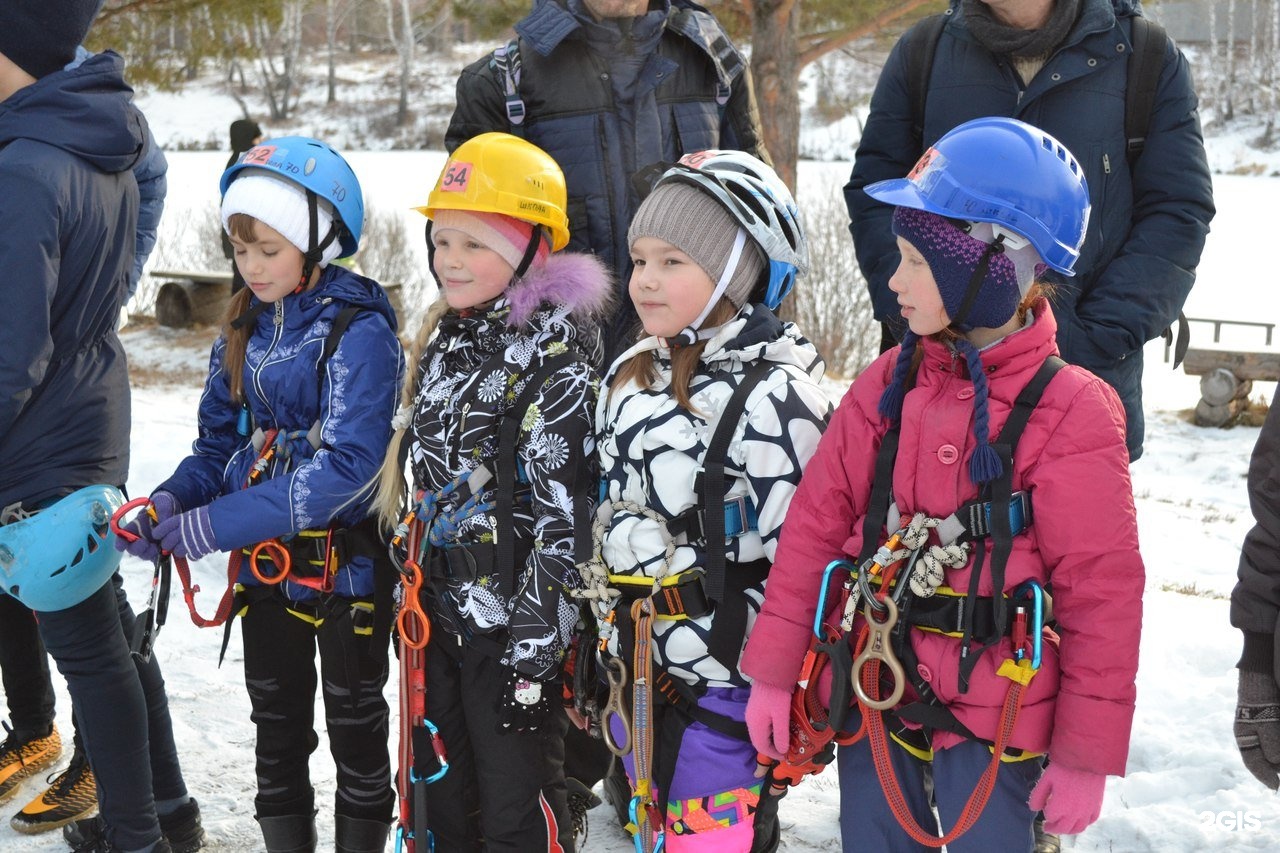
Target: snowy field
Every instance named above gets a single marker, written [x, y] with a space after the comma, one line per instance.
[1186, 789]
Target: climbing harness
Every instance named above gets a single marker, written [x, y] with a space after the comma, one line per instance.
[899, 587]
[667, 596]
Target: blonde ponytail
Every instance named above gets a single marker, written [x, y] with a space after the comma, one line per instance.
[389, 501]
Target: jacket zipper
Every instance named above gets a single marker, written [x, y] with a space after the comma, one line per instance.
[277, 320]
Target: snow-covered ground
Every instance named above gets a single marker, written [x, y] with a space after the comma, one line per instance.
[1186, 789]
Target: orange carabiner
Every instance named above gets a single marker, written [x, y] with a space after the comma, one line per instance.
[412, 621]
[274, 550]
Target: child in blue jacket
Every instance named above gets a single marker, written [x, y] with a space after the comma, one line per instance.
[294, 421]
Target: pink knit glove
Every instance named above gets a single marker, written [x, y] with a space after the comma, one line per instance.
[769, 719]
[1070, 799]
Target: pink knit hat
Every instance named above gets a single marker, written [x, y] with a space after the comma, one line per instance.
[506, 235]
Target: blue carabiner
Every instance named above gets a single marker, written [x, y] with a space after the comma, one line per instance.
[1036, 631]
[822, 595]
[442, 758]
[660, 834]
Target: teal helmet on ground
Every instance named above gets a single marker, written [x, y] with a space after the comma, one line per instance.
[63, 554]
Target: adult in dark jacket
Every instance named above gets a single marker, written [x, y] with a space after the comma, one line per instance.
[609, 87]
[23, 660]
[1060, 65]
[68, 142]
[1255, 610]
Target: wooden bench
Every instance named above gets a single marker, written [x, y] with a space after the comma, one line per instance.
[1226, 379]
[191, 297]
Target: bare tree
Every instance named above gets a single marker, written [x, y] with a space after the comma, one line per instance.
[787, 35]
[278, 47]
[400, 29]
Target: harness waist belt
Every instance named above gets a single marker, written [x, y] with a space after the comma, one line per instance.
[680, 596]
[945, 614]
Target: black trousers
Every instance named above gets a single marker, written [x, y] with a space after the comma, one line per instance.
[513, 782]
[280, 674]
[24, 666]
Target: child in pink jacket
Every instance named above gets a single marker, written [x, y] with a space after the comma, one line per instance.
[979, 220]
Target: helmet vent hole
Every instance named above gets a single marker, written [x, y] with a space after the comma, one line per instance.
[91, 544]
[57, 571]
[76, 559]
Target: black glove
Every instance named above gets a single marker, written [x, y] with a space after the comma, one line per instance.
[1257, 726]
[525, 703]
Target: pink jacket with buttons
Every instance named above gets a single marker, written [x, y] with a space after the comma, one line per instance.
[1082, 544]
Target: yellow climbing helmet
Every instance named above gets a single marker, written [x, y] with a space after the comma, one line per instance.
[501, 173]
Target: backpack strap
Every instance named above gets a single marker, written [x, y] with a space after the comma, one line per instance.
[920, 44]
[1145, 63]
[506, 60]
[507, 474]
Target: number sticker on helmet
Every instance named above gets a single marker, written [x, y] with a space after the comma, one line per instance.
[456, 177]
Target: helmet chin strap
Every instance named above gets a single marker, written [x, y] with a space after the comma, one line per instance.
[310, 260]
[693, 332]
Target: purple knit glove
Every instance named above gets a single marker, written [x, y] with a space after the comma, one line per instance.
[147, 545]
[769, 719]
[1070, 799]
[189, 534]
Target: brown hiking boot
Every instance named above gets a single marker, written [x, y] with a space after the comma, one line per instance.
[71, 795]
[23, 755]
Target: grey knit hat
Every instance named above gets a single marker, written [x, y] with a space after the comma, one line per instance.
[696, 224]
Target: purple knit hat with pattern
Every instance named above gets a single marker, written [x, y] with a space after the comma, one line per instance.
[953, 256]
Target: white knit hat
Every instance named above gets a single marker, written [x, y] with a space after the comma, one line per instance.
[281, 205]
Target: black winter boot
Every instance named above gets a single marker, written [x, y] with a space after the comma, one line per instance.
[353, 835]
[183, 829]
[289, 833]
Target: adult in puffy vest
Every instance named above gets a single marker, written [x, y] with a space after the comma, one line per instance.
[1016, 626]
[1063, 66]
[293, 425]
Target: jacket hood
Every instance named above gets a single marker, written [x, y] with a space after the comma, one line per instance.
[87, 111]
[578, 282]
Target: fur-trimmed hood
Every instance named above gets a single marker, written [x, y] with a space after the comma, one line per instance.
[574, 280]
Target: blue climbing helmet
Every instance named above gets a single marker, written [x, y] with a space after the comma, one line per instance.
[760, 203]
[318, 169]
[1005, 172]
[64, 553]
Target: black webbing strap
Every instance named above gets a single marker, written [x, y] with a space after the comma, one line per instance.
[1001, 490]
[729, 626]
[881, 494]
[508, 437]
[713, 480]
[331, 340]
